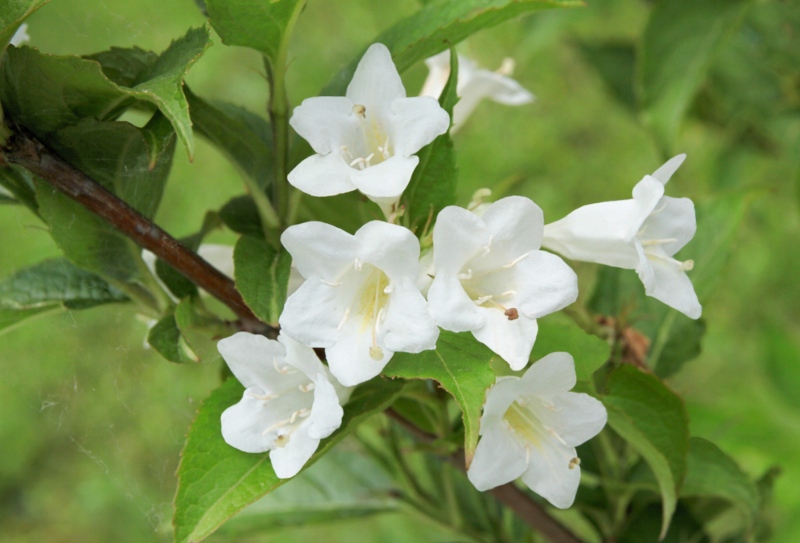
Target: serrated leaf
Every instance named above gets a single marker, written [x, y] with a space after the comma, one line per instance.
[12, 14]
[215, 481]
[461, 365]
[123, 66]
[165, 338]
[653, 420]
[674, 54]
[243, 137]
[262, 276]
[263, 26]
[433, 184]
[713, 474]
[441, 24]
[557, 333]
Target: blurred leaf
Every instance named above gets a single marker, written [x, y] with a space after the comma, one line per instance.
[215, 480]
[441, 24]
[199, 329]
[263, 26]
[19, 182]
[243, 137]
[783, 370]
[240, 214]
[643, 527]
[348, 211]
[433, 184]
[712, 473]
[558, 333]
[70, 88]
[10, 317]
[262, 276]
[12, 13]
[683, 344]
[673, 58]
[166, 339]
[461, 366]
[653, 420]
[615, 63]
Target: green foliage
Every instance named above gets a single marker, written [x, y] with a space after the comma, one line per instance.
[262, 276]
[558, 333]
[433, 185]
[166, 339]
[461, 366]
[215, 480]
[653, 420]
[674, 55]
[785, 378]
[19, 183]
[12, 14]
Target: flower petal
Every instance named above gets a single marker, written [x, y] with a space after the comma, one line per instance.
[313, 313]
[320, 249]
[673, 219]
[544, 284]
[391, 248]
[325, 122]
[243, 425]
[576, 418]
[487, 84]
[387, 179]
[415, 122]
[672, 286]
[349, 359]
[326, 413]
[458, 236]
[322, 175]
[287, 461]
[251, 358]
[549, 474]
[511, 339]
[664, 173]
[553, 374]
[450, 306]
[516, 225]
[408, 327]
[499, 459]
[376, 83]
[498, 399]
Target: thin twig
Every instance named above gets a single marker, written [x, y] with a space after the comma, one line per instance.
[24, 150]
[509, 495]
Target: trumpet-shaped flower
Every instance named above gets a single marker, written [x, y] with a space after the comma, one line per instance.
[530, 428]
[289, 404]
[474, 84]
[491, 278]
[642, 234]
[359, 300]
[365, 140]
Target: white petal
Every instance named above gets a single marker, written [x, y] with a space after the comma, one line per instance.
[243, 425]
[647, 195]
[326, 413]
[553, 374]
[387, 179]
[672, 286]
[20, 36]
[325, 122]
[499, 459]
[515, 224]
[251, 358]
[549, 474]
[322, 175]
[390, 248]
[545, 284]
[301, 357]
[415, 122]
[487, 84]
[511, 339]
[219, 256]
[576, 418]
[287, 461]
[451, 307]
[498, 399]
[670, 166]
[376, 83]
[313, 313]
[458, 236]
[408, 327]
[349, 358]
[320, 249]
[673, 219]
[438, 73]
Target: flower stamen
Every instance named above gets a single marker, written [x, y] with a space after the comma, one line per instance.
[517, 260]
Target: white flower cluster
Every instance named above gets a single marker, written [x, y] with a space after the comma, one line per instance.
[364, 296]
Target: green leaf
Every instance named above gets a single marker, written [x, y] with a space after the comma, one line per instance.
[780, 347]
[683, 345]
[166, 339]
[713, 474]
[461, 366]
[615, 63]
[653, 420]
[674, 55]
[10, 317]
[199, 329]
[433, 184]
[441, 24]
[243, 137]
[215, 480]
[12, 14]
[262, 276]
[557, 333]
[263, 26]
[123, 66]
[19, 182]
[348, 211]
[240, 214]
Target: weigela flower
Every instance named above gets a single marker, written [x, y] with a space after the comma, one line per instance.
[365, 140]
[491, 279]
[642, 234]
[530, 428]
[359, 300]
[474, 84]
[290, 402]
[20, 36]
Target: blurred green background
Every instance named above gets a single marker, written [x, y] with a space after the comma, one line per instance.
[91, 422]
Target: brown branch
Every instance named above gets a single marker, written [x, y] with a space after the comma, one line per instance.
[24, 150]
[509, 495]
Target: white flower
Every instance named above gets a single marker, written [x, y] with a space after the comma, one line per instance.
[642, 234]
[530, 428]
[474, 84]
[491, 279]
[20, 36]
[365, 140]
[289, 404]
[359, 300]
[219, 256]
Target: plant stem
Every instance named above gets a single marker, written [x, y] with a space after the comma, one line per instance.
[26, 151]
